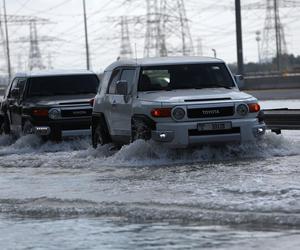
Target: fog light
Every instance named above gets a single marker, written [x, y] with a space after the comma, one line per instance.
[258, 131]
[54, 114]
[163, 136]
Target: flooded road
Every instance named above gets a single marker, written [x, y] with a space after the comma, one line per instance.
[71, 196]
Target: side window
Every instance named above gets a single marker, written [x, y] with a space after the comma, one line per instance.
[113, 81]
[21, 85]
[128, 75]
[14, 85]
[104, 80]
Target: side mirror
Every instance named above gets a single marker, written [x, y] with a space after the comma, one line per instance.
[122, 87]
[15, 93]
[239, 79]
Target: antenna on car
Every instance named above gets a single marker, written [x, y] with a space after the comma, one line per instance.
[135, 53]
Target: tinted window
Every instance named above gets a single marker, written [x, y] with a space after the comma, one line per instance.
[113, 81]
[62, 85]
[193, 76]
[13, 86]
[21, 85]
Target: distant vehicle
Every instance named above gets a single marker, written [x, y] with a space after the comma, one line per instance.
[52, 104]
[177, 101]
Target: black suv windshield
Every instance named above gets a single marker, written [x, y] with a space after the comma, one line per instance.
[62, 85]
[191, 76]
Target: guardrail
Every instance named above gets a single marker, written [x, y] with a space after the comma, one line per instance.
[282, 119]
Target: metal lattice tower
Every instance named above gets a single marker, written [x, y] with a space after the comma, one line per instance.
[152, 29]
[35, 57]
[3, 42]
[273, 41]
[126, 50]
[187, 42]
[161, 25]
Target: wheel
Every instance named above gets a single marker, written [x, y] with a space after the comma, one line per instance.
[4, 127]
[100, 135]
[140, 130]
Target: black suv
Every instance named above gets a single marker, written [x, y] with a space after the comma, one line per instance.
[50, 104]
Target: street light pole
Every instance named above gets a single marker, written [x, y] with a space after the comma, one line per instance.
[86, 37]
[258, 39]
[239, 40]
[7, 41]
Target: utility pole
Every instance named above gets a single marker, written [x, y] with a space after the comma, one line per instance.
[258, 39]
[86, 37]
[239, 39]
[7, 41]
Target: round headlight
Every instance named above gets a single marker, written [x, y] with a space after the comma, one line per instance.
[242, 109]
[54, 114]
[178, 113]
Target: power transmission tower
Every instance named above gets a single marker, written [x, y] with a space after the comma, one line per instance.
[35, 57]
[163, 19]
[273, 42]
[152, 29]
[3, 53]
[126, 51]
[187, 42]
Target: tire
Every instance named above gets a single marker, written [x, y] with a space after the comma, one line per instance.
[140, 130]
[4, 127]
[100, 135]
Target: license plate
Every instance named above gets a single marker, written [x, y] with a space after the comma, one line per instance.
[214, 126]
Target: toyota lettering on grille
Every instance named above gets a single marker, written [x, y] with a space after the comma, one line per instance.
[211, 112]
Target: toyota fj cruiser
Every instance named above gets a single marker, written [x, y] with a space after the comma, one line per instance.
[51, 104]
[177, 101]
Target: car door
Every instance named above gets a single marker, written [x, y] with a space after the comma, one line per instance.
[15, 104]
[121, 106]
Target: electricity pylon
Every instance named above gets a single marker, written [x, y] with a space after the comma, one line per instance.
[161, 27]
[126, 50]
[273, 42]
[35, 57]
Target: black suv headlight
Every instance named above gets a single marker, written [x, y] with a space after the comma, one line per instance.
[178, 113]
[54, 114]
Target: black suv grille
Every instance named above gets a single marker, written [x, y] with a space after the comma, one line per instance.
[210, 112]
[76, 112]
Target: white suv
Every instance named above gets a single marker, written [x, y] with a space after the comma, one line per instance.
[177, 101]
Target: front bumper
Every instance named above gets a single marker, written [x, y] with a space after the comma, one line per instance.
[185, 134]
[63, 128]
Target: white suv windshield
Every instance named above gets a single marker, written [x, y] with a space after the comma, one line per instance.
[193, 76]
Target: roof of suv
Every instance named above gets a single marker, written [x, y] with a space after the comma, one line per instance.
[156, 61]
[54, 73]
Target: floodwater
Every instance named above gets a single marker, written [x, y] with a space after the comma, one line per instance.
[70, 196]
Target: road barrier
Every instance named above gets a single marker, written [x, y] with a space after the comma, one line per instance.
[282, 119]
[272, 82]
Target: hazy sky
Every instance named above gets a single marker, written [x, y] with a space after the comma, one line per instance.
[211, 21]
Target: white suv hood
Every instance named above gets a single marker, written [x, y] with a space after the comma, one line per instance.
[183, 95]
